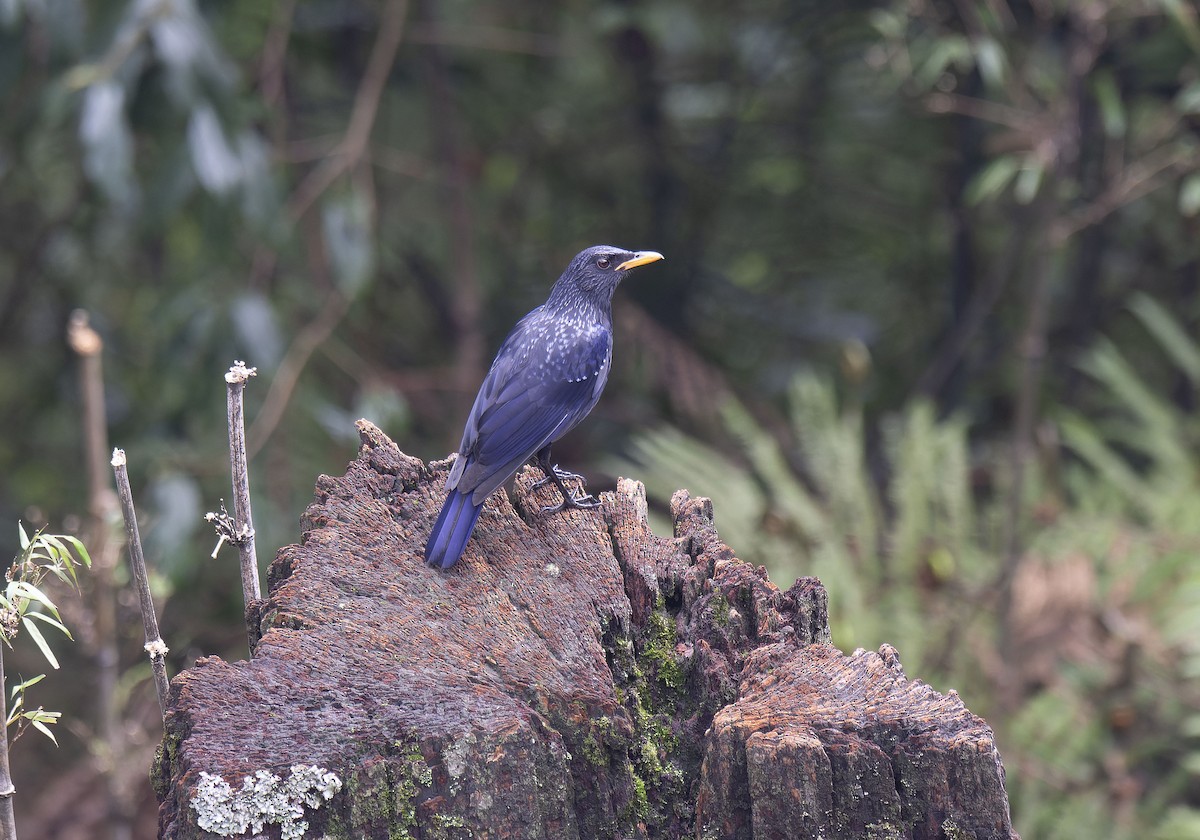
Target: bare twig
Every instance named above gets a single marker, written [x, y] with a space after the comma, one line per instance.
[275, 46]
[155, 648]
[236, 382]
[1140, 178]
[350, 151]
[8, 819]
[88, 345]
[980, 109]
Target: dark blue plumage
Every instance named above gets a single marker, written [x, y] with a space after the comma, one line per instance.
[546, 377]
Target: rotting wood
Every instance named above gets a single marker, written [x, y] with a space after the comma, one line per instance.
[574, 676]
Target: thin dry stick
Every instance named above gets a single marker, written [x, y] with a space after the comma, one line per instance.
[8, 819]
[353, 146]
[98, 533]
[244, 534]
[1155, 170]
[155, 649]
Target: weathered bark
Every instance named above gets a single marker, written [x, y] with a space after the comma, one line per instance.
[574, 676]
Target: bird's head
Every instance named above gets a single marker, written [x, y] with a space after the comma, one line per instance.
[596, 271]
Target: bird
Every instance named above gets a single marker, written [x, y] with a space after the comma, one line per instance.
[547, 376]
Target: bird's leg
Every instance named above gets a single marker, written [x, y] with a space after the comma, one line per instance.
[542, 460]
[560, 477]
[558, 471]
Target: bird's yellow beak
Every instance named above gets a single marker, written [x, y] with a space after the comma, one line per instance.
[640, 258]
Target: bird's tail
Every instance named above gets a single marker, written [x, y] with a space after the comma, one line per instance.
[452, 530]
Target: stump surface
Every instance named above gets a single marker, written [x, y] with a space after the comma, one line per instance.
[573, 676]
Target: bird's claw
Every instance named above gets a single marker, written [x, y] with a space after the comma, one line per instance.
[556, 474]
[587, 502]
[559, 473]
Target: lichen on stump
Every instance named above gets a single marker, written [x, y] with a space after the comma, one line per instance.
[573, 676]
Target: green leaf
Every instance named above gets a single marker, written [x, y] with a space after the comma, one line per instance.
[80, 549]
[1028, 181]
[948, 50]
[888, 23]
[1080, 436]
[32, 681]
[41, 727]
[991, 61]
[992, 179]
[26, 590]
[1159, 432]
[24, 536]
[40, 641]
[58, 625]
[1169, 333]
[62, 572]
[58, 551]
[62, 562]
[1189, 195]
[44, 716]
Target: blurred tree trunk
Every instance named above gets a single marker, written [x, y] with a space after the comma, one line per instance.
[107, 744]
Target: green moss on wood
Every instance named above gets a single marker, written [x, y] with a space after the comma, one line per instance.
[639, 806]
[412, 774]
[659, 650]
[720, 609]
[954, 831]
[442, 827]
[164, 759]
[593, 752]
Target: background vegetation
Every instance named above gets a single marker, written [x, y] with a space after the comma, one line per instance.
[926, 326]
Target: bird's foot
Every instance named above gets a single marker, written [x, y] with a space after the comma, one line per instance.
[558, 473]
[584, 502]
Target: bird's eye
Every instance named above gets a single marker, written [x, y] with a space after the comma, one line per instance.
[603, 262]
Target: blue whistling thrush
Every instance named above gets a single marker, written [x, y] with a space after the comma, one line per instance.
[546, 377]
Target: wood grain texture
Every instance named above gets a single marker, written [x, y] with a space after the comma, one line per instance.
[573, 676]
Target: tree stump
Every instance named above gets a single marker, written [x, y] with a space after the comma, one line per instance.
[573, 676]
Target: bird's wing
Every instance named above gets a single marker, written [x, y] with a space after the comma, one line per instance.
[531, 397]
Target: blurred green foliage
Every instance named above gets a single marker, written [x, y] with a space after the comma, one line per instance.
[900, 236]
